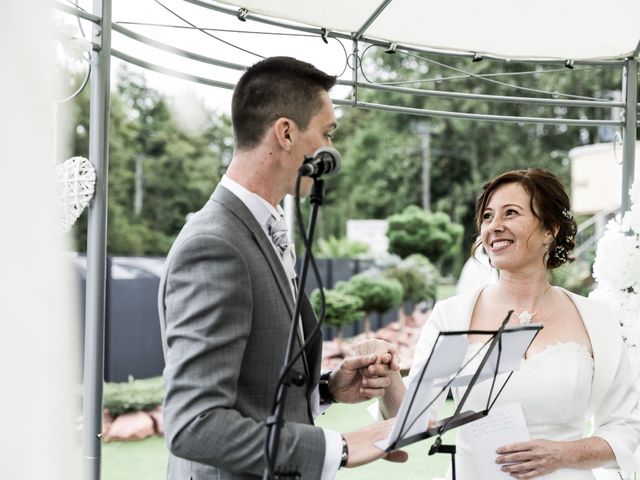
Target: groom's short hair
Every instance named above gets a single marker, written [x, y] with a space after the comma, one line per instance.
[273, 88]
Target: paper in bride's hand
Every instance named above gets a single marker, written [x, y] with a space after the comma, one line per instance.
[413, 417]
[504, 425]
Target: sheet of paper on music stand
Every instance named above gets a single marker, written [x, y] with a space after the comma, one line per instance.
[503, 425]
[514, 345]
[446, 359]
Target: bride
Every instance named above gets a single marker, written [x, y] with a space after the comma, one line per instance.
[575, 371]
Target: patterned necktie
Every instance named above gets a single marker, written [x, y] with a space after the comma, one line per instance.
[278, 232]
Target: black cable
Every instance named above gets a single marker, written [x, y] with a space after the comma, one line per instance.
[480, 77]
[308, 248]
[251, 32]
[207, 33]
[483, 77]
[270, 462]
[223, 30]
[75, 4]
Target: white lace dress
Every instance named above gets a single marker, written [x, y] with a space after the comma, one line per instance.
[553, 387]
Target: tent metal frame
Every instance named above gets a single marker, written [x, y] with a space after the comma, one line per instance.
[99, 149]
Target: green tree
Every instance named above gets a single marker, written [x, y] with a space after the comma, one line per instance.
[432, 275]
[378, 294]
[333, 247]
[382, 162]
[340, 309]
[433, 235]
[414, 286]
[158, 171]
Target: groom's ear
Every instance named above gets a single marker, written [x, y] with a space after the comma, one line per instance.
[285, 132]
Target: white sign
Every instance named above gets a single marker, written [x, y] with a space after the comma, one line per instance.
[596, 176]
[371, 232]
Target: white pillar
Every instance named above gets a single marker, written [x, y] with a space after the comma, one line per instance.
[39, 344]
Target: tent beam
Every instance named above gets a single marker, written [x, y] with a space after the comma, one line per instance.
[372, 18]
[354, 83]
[488, 98]
[78, 12]
[354, 72]
[172, 73]
[452, 53]
[630, 130]
[96, 246]
[354, 102]
[177, 51]
[476, 116]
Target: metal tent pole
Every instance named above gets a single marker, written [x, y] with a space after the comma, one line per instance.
[96, 245]
[630, 130]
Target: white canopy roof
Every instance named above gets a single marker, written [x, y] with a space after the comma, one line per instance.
[545, 29]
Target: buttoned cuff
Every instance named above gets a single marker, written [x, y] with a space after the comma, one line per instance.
[332, 454]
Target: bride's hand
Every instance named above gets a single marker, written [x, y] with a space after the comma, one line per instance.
[531, 459]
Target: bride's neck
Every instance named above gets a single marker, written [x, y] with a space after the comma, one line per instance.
[523, 287]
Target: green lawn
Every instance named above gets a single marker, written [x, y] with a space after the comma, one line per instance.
[143, 460]
[147, 459]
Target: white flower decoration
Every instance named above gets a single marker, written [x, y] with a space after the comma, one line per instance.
[617, 271]
[70, 40]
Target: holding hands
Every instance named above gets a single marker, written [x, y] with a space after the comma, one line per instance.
[369, 373]
[365, 375]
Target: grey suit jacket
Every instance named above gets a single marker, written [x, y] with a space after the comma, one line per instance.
[225, 308]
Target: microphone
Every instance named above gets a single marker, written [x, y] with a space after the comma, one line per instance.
[324, 161]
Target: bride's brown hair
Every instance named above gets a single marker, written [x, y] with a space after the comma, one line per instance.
[549, 204]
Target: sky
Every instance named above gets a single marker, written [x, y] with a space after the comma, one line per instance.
[328, 57]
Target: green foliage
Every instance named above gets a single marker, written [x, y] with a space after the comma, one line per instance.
[340, 309]
[333, 247]
[433, 235]
[133, 395]
[575, 277]
[382, 153]
[419, 278]
[413, 281]
[378, 294]
[429, 270]
[168, 169]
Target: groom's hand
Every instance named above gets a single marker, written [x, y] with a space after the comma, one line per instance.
[365, 375]
[361, 444]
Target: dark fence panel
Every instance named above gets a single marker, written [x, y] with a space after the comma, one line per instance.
[132, 330]
[132, 327]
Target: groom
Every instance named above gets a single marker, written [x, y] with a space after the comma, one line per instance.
[226, 301]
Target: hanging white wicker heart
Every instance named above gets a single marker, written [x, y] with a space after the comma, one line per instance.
[76, 182]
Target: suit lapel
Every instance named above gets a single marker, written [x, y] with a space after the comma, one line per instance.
[235, 206]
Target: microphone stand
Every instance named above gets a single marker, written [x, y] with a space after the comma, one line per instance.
[288, 375]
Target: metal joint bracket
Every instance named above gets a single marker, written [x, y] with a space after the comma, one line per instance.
[391, 49]
[477, 57]
[569, 63]
[242, 14]
[323, 34]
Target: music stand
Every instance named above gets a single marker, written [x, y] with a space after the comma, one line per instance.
[506, 345]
